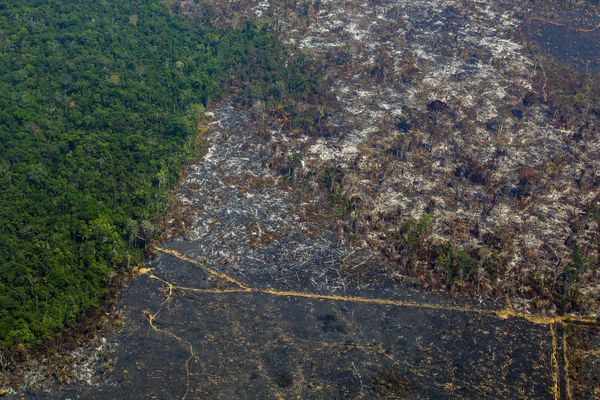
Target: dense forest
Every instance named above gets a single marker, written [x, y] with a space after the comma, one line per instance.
[99, 107]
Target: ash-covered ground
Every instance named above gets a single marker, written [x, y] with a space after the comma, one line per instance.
[481, 115]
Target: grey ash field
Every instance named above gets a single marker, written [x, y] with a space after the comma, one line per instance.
[290, 268]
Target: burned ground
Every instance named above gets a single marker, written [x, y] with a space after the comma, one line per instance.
[472, 115]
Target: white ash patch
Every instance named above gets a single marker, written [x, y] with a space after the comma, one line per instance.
[261, 7]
